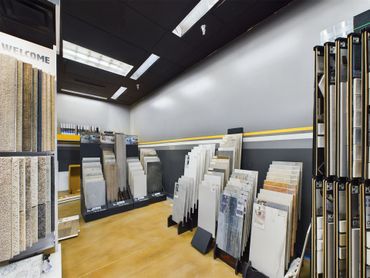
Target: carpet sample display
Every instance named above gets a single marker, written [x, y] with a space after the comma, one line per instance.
[19, 116]
[27, 108]
[6, 210]
[8, 96]
[15, 206]
[120, 149]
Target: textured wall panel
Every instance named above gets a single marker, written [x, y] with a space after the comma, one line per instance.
[19, 113]
[5, 208]
[27, 107]
[8, 96]
[15, 205]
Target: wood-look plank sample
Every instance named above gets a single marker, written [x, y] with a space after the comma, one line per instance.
[8, 96]
[5, 207]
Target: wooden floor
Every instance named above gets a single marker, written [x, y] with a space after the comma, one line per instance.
[135, 244]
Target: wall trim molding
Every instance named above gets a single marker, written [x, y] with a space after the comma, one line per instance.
[297, 133]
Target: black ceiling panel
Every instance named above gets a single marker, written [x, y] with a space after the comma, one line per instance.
[130, 30]
[30, 20]
[165, 13]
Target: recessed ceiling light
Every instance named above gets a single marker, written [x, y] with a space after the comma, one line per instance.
[82, 94]
[144, 67]
[193, 17]
[91, 58]
[119, 92]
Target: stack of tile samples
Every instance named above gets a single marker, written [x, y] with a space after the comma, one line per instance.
[136, 178]
[231, 147]
[25, 199]
[286, 177]
[110, 175]
[27, 120]
[93, 182]
[186, 192]
[153, 170]
[235, 212]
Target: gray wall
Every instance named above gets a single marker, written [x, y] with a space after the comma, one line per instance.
[261, 81]
[77, 110]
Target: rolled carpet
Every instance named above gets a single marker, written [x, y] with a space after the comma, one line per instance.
[8, 96]
[6, 209]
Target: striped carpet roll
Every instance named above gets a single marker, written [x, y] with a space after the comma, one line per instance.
[27, 107]
[8, 96]
[5, 208]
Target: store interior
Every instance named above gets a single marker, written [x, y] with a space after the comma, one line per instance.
[188, 138]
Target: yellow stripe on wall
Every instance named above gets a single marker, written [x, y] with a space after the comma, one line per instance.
[246, 134]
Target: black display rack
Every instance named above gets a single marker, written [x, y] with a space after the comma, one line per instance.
[187, 224]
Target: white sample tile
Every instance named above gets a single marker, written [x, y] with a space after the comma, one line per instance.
[342, 226]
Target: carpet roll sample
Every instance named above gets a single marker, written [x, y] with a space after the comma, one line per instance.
[15, 205]
[27, 108]
[52, 111]
[41, 221]
[48, 213]
[34, 224]
[22, 204]
[43, 113]
[39, 111]
[8, 96]
[44, 176]
[6, 210]
[19, 113]
[34, 109]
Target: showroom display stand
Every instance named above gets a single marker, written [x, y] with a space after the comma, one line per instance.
[238, 265]
[187, 224]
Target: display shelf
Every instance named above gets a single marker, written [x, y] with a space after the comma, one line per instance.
[38, 248]
[26, 153]
[68, 138]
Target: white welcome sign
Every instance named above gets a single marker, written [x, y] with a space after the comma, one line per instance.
[39, 56]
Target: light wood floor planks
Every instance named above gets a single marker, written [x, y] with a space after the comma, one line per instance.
[135, 244]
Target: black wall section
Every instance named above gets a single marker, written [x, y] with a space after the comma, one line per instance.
[172, 167]
[67, 156]
[253, 159]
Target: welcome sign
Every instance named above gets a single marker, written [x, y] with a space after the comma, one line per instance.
[40, 57]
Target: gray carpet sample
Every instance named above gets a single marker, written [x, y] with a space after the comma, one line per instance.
[6, 210]
[41, 221]
[27, 108]
[8, 96]
[15, 205]
[44, 172]
[19, 113]
[31, 200]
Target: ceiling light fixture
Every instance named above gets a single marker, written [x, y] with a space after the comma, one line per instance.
[145, 66]
[119, 92]
[91, 58]
[194, 16]
[82, 94]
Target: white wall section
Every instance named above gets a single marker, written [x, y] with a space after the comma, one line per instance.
[261, 81]
[77, 110]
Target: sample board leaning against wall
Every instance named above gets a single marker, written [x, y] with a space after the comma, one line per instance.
[261, 81]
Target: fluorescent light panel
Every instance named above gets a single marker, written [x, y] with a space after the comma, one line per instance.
[119, 92]
[194, 16]
[82, 94]
[91, 58]
[145, 66]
